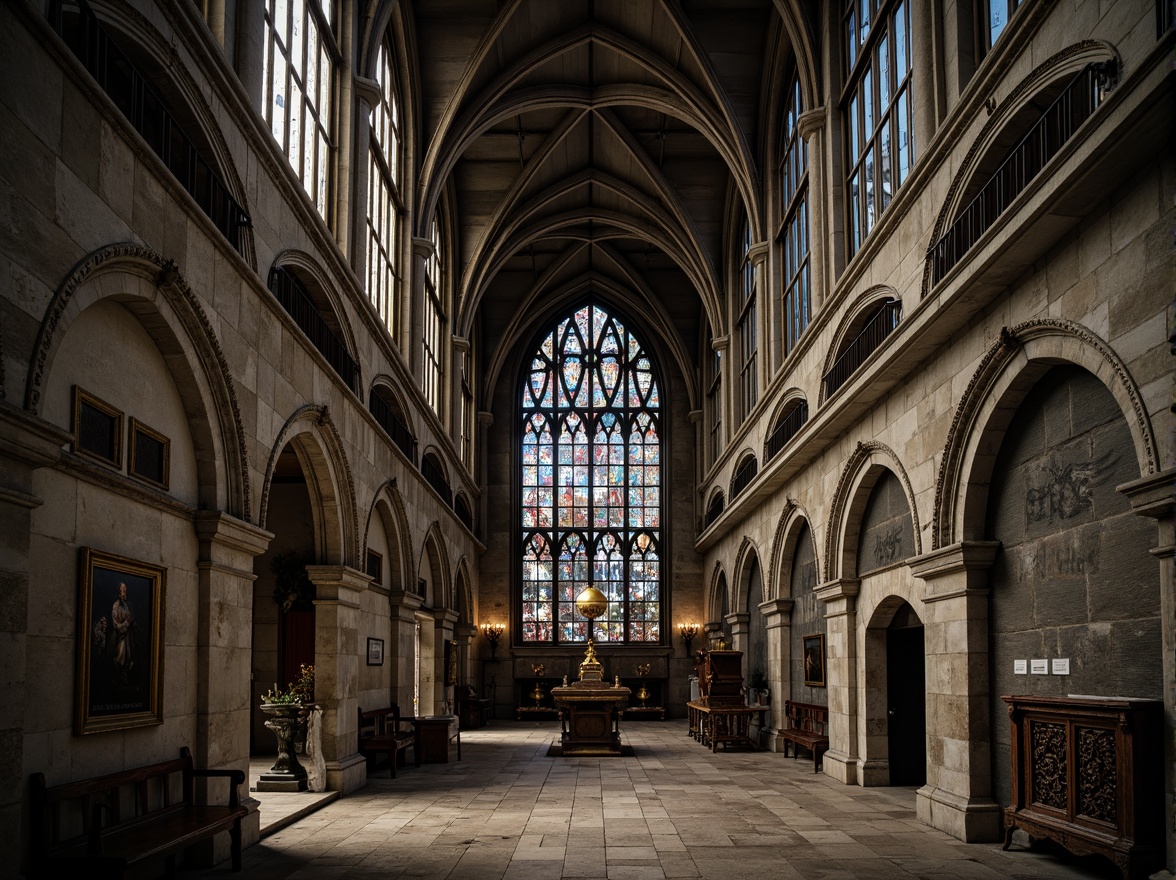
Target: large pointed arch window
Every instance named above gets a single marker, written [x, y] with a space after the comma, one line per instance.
[590, 479]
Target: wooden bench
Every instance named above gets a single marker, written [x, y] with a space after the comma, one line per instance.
[808, 727]
[110, 825]
[383, 730]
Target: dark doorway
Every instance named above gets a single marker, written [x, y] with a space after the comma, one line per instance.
[906, 706]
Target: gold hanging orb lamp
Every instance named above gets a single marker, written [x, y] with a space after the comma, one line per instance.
[591, 603]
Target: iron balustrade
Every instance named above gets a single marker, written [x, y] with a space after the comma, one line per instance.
[143, 107]
[393, 425]
[1057, 125]
[787, 429]
[744, 476]
[880, 325]
[298, 304]
[463, 513]
[435, 477]
[712, 513]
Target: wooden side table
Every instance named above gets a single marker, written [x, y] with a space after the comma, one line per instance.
[433, 734]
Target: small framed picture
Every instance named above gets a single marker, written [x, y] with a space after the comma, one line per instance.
[97, 428]
[814, 660]
[120, 643]
[149, 457]
[375, 655]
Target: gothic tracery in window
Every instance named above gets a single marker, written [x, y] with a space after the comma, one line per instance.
[591, 457]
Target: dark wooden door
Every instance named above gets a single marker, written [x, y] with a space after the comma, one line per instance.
[297, 644]
[906, 695]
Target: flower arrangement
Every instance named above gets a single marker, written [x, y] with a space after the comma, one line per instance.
[298, 693]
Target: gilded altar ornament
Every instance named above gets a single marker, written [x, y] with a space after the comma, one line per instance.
[591, 603]
[537, 694]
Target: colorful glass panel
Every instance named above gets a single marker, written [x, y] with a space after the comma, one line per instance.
[590, 473]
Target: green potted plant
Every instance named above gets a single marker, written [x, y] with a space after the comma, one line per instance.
[288, 710]
[759, 686]
[293, 589]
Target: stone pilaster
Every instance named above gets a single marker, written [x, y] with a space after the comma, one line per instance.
[402, 655]
[228, 547]
[958, 795]
[1154, 496]
[778, 615]
[336, 670]
[840, 598]
[26, 444]
[810, 125]
[738, 625]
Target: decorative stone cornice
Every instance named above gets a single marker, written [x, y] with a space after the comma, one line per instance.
[423, 247]
[720, 343]
[215, 527]
[367, 91]
[757, 253]
[337, 584]
[965, 556]
[810, 122]
[1152, 496]
[774, 609]
[842, 588]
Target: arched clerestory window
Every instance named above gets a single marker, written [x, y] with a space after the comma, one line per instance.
[590, 481]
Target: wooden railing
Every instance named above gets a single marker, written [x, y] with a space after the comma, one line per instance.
[297, 302]
[786, 430]
[142, 105]
[1041, 143]
[880, 325]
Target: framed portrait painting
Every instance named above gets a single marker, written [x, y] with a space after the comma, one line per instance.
[814, 660]
[120, 643]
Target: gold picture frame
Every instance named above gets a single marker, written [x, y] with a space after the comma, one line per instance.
[138, 432]
[119, 681]
[813, 658]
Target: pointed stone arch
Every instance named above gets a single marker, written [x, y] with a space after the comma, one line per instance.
[316, 442]
[747, 557]
[1009, 369]
[464, 593]
[434, 554]
[152, 289]
[390, 505]
[716, 592]
[793, 520]
[863, 469]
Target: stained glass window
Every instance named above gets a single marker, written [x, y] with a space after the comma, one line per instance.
[590, 479]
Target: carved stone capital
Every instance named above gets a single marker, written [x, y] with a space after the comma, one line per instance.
[810, 122]
[1152, 496]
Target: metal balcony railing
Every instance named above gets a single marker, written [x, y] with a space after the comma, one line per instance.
[880, 325]
[148, 113]
[393, 425]
[712, 513]
[744, 476]
[297, 302]
[435, 477]
[787, 429]
[1056, 125]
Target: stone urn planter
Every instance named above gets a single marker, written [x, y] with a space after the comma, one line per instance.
[287, 774]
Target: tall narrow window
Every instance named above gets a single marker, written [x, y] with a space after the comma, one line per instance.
[298, 70]
[748, 345]
[879, 134]
[796, 309]
[590, 483]
[434, 324]
[714, 395]
[383, 208]
[466, 414]
[999, 13]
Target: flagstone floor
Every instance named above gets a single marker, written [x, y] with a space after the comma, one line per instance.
[508, 812]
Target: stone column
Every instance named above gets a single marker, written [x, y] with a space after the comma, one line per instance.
[840, 598]
[367, 97]
[810, 125]
[738, 623]
[778, 614]
[26, 444]
[721, 344]
[464, 635]
[757, 255]
[228, 547]
[336, 670]
[958, 795]
[404, 608]
[422, 250]
[250, 40]
[926, 85]
[1153, 497]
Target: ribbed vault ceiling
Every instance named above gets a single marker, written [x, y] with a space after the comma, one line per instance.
[591, 143]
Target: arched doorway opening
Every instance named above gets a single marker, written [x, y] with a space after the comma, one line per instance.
[906, 698]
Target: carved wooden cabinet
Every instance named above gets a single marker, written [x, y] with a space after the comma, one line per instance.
[720, 677]
[1088, 773]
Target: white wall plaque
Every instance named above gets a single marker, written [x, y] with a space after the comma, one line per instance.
[1039, 667]
[1061, 666]
[1020, 667]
